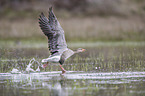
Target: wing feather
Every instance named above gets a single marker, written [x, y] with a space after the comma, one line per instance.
[52, 29]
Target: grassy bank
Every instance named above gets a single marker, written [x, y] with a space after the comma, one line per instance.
[85, 20]
[78, 29]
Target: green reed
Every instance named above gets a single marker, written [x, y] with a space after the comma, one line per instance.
[98, 59]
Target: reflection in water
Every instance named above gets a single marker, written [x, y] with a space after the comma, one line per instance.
[54, 84]
[60, 87]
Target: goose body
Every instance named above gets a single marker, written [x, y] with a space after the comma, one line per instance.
[59, 58]
[52, 59]
[56, 40]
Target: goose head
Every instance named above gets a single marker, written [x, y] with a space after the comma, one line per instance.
[80, 50]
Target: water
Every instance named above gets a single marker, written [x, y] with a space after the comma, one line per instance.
[79, 83]
[28, 68]
[100, 71]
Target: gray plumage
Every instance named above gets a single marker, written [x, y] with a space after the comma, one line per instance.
[52, 29]
[66, 54]
[56, 39]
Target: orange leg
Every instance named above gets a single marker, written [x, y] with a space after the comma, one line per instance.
[45, 65]
[63, 70]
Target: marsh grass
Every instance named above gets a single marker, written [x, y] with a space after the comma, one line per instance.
[99, 59]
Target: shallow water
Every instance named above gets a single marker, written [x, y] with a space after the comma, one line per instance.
[100, 71]
[74, 82]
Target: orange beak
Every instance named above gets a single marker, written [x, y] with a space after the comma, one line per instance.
[83, 50]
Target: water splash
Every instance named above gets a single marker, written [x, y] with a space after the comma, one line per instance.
[28, 68]
[16, 71]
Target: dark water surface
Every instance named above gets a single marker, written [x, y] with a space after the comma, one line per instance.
[100, 71]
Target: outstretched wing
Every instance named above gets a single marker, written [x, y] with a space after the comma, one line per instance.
[52, 29]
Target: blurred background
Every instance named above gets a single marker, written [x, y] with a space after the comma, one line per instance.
[82, 20]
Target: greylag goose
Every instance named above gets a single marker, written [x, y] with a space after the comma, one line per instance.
[56, 40]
